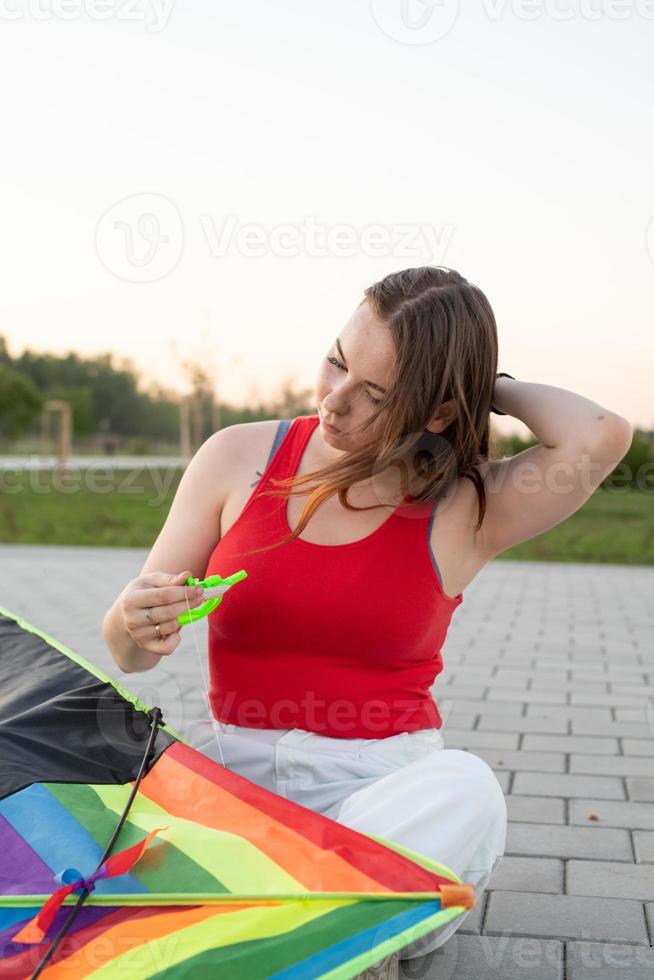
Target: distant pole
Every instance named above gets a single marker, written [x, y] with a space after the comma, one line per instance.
[184, 430]
[64, 439]
[196, 420]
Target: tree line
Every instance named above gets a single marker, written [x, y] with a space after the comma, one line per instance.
[106, 397]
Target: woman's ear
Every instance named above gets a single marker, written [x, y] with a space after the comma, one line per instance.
[443, 417]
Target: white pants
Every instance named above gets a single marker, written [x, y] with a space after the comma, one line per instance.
[444, 803]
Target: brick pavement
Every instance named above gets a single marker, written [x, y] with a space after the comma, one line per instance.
[549, 677]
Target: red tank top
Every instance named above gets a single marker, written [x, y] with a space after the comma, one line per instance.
[342, 640]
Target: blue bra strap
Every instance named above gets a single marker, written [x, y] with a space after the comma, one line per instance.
[282, 429]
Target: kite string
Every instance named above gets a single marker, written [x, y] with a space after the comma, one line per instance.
[156, 720]
[202, 673]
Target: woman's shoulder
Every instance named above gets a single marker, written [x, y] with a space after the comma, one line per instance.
[243, 449]
[245, 442]
[244, 453]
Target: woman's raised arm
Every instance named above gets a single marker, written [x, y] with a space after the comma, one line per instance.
[531, 492]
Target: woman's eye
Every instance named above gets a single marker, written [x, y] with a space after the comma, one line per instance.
[336, 363]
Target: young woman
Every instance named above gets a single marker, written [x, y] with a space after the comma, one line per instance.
[322, 660]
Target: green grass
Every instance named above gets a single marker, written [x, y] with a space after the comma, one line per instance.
[120, 508]
[610, 527]
[128, 509]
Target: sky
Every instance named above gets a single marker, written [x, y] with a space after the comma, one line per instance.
[221, 181]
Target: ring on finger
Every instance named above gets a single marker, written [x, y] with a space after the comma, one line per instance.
[148, 613]
[156, 626]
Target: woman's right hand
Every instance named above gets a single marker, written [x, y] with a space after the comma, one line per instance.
[165, 595]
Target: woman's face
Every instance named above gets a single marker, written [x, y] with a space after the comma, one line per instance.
[352, 376]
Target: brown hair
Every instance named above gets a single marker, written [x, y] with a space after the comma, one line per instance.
[445, 338]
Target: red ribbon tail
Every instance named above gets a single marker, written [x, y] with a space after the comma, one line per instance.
[124, 861]
[118, 864]
[34, 930]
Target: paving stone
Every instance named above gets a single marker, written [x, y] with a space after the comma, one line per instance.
[552, 840]
[533, 697]
[611, 814]
[457, 719]
[519, 761]
[608, 961]
[477, 705]
[616, 728]
[472, 692]
[569, 713]
[514, 679]
[491, 958]
[464, 672]
[524, 659]
[544, 684]
[504, 779]
[632, 714]
[555, 674]
[633, 689]
[570, 743]
[610, 879]
[641, 790]
[462, 739]
[649, 910]
[587, 675]
[612, 765]
[565, 917]
[569, 785]
[610, 700]
[472, 922]
[644, 847]
[470, 957]
[620, 673]
[637, 746]
[499, 722]
[528, 874]
[536, 809]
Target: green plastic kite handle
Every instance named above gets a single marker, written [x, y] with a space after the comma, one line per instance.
[190, 616]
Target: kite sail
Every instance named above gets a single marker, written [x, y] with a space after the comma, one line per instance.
[228, 879]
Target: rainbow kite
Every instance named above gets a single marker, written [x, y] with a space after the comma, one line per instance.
[209, 876]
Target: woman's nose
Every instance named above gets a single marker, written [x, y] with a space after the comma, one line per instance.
[335, 406]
